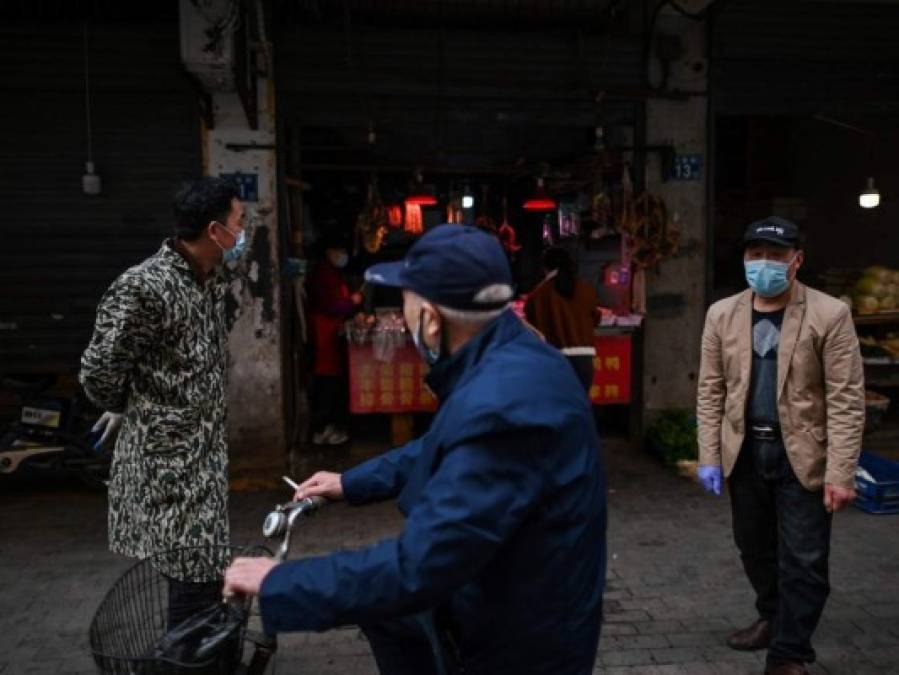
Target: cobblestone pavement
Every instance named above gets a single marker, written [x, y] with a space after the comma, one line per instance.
[675, 585]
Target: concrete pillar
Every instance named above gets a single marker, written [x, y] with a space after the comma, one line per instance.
[676, 291]
[257, 432]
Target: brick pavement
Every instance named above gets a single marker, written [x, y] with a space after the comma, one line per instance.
[675, 586]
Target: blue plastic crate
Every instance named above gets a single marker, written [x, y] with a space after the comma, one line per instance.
[882, 494]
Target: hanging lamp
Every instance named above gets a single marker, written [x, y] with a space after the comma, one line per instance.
[419, 195]
[870, 196]
[540, 201]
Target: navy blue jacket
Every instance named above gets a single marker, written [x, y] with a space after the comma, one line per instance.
[505, 505]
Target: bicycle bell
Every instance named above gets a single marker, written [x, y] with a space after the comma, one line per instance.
[275, 524]
[279, 521]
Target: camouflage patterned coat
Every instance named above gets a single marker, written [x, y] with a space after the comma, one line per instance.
[159, 353]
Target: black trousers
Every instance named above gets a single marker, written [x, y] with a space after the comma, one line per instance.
[329, 401]
[783, 533]
[411, 645]
[186, 598]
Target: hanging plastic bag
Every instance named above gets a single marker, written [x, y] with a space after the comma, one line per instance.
[209, 637]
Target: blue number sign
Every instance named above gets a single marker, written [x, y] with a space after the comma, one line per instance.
[247, 183]
[686, 167]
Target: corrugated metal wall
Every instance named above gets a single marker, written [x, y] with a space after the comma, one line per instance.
[804, 57]
[60, 248]
[481, 96]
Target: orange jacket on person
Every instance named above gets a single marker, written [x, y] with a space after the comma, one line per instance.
[566, 323]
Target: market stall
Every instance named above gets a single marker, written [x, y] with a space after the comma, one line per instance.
[873, 293]
[589, 208]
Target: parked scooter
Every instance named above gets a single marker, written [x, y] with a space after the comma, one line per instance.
[53, 435]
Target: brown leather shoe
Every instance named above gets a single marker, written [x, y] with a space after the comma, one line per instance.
[787, 669]
[755, 637]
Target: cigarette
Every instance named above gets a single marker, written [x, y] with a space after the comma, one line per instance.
[290, 483]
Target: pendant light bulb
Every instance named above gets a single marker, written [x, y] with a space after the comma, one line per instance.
[90, 181]
[467, 198]
[870, 197]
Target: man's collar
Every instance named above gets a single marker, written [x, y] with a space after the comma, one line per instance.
[446, 376]
[797, 295]
[176, 252]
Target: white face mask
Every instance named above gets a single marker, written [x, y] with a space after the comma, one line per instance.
[339, 260]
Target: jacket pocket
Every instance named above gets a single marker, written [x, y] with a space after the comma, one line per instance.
[172, 452]
[171, 430]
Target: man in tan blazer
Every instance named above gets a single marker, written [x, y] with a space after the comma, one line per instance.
[781, 410]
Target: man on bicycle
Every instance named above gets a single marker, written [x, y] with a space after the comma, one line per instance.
[503, 553]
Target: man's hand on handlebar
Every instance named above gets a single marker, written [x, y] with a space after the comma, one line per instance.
[245, 575]
[322, 484]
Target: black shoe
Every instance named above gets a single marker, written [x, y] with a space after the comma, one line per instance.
[755, 637]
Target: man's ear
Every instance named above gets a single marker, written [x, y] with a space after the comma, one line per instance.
[800, 259]
[210, 229]
[431, 318]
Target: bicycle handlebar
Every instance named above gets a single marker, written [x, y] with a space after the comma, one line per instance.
[279, 523]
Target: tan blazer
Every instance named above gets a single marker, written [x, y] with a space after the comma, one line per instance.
[820, 381]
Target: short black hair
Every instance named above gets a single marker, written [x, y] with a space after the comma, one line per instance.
[200, 201]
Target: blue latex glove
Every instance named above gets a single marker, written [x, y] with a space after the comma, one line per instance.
[710, 478]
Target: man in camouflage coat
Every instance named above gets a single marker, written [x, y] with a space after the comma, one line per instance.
[157, 362]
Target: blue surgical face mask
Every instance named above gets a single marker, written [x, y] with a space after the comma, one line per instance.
[236, 252]
[768, 278]
[430, 356]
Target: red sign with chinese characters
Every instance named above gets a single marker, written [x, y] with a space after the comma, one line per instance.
[392, 387]
[611, 369]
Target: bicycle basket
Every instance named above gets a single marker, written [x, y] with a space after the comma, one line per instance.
[139, 630]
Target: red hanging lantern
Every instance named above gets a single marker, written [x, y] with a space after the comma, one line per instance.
[421, 200]
[414, 221]
[419, 195]
[540, 201]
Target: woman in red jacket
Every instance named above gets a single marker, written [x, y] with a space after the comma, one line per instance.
[330, 305]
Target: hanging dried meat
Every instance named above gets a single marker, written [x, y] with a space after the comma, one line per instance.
[653, 237]
[508, 237]
[373, 221]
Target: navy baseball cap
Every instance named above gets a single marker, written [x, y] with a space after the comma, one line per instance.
[773, 229]
[456, 266]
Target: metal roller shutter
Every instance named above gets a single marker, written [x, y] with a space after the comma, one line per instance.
[62, 248]
[805, 57]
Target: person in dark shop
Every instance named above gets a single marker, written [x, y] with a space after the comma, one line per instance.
[501, 564]
[330, 304]
[157, 363]
[781, 410]
[563, 307]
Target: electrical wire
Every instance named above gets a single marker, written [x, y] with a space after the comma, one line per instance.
[87, 98]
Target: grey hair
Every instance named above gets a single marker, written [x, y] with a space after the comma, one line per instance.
[494, 293]
[470, 317]
[491, 294]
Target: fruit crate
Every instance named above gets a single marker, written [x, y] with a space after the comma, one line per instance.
[880, 494]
